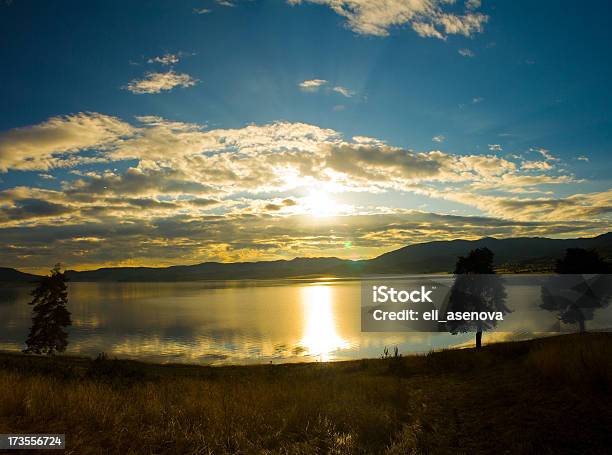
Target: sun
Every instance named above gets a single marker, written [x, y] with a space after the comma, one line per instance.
[319, 204]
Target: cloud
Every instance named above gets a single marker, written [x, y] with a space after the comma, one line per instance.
[467, 25]
[312, 85]
[477, 100]
[226, 3]
[205, 193]
[466, 52]
[135, 181]
[427, 30]
[495, 147]
[536, 165]
[166, 59]
[155, 82]
[545, 153]
[202, 11]
[590, 206]
[171, 192]
[380, 164]
[513, 182]
[256, 158]
[343, 91]
[429, 18]
[175, 239]
[367, 140]
[438, 138]
[472, 4]
[25, 209]
[55, 142]
[583, 158]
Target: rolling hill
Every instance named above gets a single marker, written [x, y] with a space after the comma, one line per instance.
[15, 276]
[536, 253]
[520, 254]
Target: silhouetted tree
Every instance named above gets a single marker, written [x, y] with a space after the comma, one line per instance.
[574, 297]
[50, 315]
[476, 288]
[579, 261]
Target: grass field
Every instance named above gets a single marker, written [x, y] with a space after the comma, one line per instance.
[547, 396]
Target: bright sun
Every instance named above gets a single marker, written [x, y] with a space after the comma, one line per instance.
[319, 204]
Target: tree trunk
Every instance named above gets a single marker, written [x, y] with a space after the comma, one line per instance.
[479, 339]
[581, 325]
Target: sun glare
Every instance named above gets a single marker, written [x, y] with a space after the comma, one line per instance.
[321, 336]
[320, 204]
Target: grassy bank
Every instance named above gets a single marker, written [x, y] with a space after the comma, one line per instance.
[546, 396]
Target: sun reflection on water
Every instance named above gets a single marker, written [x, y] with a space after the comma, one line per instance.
[320, 337]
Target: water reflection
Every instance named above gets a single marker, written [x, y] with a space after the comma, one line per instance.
[321, 336]
[204, 322]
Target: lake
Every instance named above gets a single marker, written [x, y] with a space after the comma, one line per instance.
[231, 322]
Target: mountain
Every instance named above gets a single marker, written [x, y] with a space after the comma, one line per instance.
[522, 254]
[15, 276]
[222, 271]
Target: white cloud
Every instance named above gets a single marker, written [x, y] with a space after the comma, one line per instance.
[590, 206]
[312, 85]
[583, 158]
[466, 25]
[429, 18]
[427, 30]
[472, 4]
[466, 52]
[495, 147]
[55, 142]
[343, 91]
[225, 3]
[166, 59]
[477, 100]
[202, 11]
[438, 138]
[536, 165]
[367, 140]
[545, 153]
[257, 158]
[154, 82]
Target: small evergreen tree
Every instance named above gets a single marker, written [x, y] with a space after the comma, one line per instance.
[50, 315]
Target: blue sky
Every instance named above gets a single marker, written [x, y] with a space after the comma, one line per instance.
[427, 82]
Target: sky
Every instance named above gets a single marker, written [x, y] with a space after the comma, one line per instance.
[158, 133]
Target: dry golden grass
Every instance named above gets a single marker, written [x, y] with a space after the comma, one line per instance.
[544, 396]
[570, 361]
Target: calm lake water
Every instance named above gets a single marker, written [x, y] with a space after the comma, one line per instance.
[228, 322]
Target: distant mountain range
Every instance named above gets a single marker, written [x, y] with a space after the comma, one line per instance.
[522, 254]
[15, 276]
